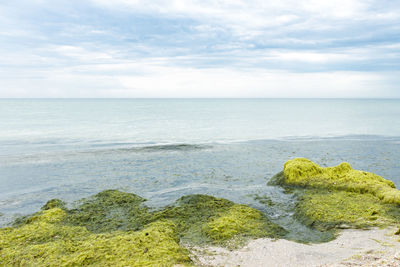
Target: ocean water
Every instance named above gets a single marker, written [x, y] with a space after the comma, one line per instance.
[162, 149]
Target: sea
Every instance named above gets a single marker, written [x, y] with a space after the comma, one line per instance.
[162, 149]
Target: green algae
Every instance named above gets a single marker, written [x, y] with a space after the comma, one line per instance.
[305, 173]
[241, 220]
[199, 216]
[45, 242]
[191, 212]
[325, 210]
[266, 200]
[114, 228]
[54, 203]
[339, 197]
[110, 210]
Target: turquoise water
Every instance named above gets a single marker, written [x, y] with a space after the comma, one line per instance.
[163, 149]
[59, 124]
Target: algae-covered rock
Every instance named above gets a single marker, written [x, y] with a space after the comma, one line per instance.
[45, 242]
[54, 203]
[241, 220]
[191, 212]
[338, 197]
[303, 172]
[203, 219]
[110, 210]
[56, 214]
[114, 228]
[324, 210]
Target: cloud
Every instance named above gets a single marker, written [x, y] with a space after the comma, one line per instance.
[144, 78]
[175, 48]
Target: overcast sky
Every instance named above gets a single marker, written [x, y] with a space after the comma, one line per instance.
[225, 48]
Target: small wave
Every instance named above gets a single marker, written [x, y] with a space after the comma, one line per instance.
[139, 148]
[173, 147]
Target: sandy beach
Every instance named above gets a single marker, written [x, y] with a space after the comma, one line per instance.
[376, 247]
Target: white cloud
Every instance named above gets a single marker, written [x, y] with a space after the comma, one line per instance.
[209, 48]
[79, 53]
[159, 80]
[184, 82]
[246, 16]
[311, 56]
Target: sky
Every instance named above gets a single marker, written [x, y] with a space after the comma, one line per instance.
[220, 48]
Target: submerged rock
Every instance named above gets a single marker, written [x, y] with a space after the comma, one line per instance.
[114, 228]
[335, 196]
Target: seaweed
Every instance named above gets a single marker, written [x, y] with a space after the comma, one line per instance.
[325, 210]
[54, 203]
[114, 228]
[244, 221]
[198, 216]
[190, 213]
[339, 197]
[44, 241]
[265, 200]
[110, 210]
[305, 173]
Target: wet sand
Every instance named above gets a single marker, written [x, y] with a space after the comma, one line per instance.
[376, 247]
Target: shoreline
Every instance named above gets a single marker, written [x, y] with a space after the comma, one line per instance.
[203, 230]
[374, 247]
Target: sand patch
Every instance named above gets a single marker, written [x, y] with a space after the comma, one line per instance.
[376, 247]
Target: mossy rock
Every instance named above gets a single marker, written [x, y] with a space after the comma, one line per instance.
[325, 210]
[54, 203]
[241, 220]
[110, 210]
[207, 219]
[339, 197]
[191, 212]
[305, 173]
[45, 242]
[114, 228]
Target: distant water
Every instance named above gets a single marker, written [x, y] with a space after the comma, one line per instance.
[163, 149]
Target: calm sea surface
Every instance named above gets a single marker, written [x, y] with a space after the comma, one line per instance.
[162, 149]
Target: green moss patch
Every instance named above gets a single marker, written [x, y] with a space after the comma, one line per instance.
[207, 219]
[324, 210]
[54, 203]
[114, 228]
[110, 210]
[303, 172]
[339, 197]
[190, 213]
[45, 242]
[241, 220]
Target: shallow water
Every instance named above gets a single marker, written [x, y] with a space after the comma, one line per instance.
[163, 149]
